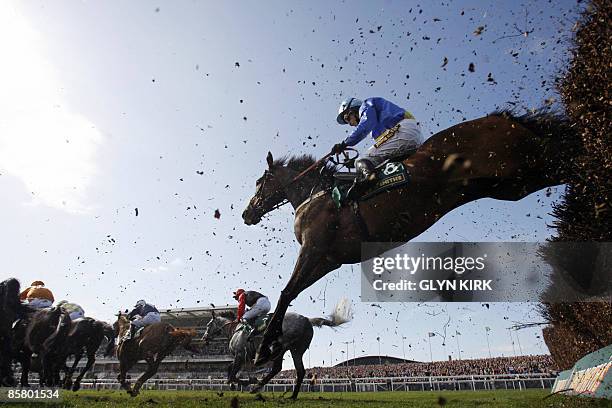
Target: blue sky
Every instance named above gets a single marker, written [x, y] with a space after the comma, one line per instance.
[113, 106]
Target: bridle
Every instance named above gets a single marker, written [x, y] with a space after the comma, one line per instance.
[218, 329]
[268, 174]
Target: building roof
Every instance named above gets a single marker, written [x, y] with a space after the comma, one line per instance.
[187, 313]
[367, 360]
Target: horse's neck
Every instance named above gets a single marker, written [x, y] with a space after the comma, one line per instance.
[301, 191]
[228, 327]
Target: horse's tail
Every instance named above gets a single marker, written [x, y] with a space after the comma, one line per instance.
[178, 332]
[60, 333]
[343, 313]
[184, 337]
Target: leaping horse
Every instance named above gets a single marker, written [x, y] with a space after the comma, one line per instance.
[500, 156]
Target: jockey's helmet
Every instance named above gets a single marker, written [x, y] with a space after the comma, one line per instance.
[37, 283]
[62, 302]
[141, 302]
[238, 292]
[347, 104]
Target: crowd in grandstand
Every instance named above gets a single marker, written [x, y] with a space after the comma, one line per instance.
[497, 365]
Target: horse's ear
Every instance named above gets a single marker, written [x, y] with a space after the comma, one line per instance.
[270, 160]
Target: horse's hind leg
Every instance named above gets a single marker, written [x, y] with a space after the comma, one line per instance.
[152, 366]
[276, 367]
[300, 371]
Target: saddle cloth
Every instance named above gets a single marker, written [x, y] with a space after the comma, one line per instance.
[389, 175]
[260, 324]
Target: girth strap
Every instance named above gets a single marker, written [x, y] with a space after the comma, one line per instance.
[365, 234]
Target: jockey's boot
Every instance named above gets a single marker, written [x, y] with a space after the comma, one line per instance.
[365, 177]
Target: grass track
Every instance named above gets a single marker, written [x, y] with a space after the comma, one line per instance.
[417, 399]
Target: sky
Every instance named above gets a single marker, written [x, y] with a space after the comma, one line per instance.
[171, 107]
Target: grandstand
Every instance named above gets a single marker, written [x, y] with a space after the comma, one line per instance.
[370, 360]
[213, 361]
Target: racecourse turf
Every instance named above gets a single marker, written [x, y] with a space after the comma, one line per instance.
[417, 399]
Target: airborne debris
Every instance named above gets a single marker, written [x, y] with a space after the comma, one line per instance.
[217, 214]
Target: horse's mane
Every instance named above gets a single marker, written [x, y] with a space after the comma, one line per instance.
[300, 163]
[297, 163]
[227, 314]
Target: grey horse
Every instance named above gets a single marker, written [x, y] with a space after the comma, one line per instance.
[296, 337]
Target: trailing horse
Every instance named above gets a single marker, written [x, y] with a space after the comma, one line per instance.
[296, 337]
[84, 337]
[499, 156]
[154, 343]
[10, 310]
[42, 333]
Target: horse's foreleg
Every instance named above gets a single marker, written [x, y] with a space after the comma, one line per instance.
[70, 371]
[311, 267]
[276, 367]
[152, 367]
[91, 358]
[233, 370]
[25, 360]
[124, 367]
[307, 260]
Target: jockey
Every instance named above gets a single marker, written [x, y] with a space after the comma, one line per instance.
[259, 305]
[394, 130]
[75, 311]
[143, 314]
[37, 296]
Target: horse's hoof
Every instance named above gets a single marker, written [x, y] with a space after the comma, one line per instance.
[76, 387]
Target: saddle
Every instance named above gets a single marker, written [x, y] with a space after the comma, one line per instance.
[259, 325]
[390, 174]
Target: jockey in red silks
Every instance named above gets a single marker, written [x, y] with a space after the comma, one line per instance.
[258, 305]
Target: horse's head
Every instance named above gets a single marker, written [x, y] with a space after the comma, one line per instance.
[216, 325]
[121, 325]
[269, 192]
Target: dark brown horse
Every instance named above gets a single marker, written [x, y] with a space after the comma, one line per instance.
[85, 337]
[42, 333]
[153, 345]
[499, 156]
[11, 309]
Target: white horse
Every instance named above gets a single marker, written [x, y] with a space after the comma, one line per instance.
[296, 337]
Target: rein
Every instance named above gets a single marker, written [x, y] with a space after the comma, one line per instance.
[301, 175]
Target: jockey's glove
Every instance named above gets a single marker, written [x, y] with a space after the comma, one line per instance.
[338, 148]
